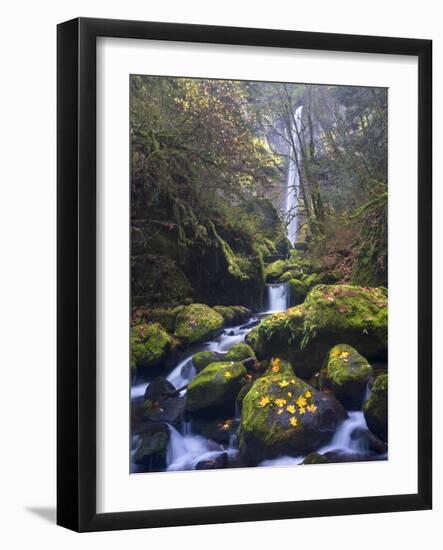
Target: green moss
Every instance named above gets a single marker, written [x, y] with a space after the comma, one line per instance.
[304, 334]
[290, 274]
[196, 323]
[251, 337]
[283, 415]
[239, 352]
[284, 368]
[226, 312]
[275, 270]
[315, 458]
[216, 387]
[298, 291]
[204, 358]
[150, 344]
[347, 374]
[376, 407]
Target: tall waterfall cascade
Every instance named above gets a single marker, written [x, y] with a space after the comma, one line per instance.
[293, 179]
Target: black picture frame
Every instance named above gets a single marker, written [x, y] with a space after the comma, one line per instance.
[76, 249]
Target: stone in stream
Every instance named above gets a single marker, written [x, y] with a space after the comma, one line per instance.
[376, 407]
[197, 323]
[283, 415]
[220, 429]
[330, 314]
[346, 373]
[233, 315]
[220, 461]
[152, 449]
[216, 387]
[150, 344]
[315, 458]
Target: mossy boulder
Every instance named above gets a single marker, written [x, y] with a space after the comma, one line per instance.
[346, 373]
[278, 366]
[285, 416]
[216, 387]
[298, 291]
[315, 458]
[197, 323]
[304, 334]
[275, 270]
[233, 315]
[288, 275]
[251, 337]
[150, 344]
[239, 352]
[152, 449]
[376, 407]
[204, 358]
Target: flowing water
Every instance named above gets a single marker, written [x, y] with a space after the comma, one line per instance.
[278, 297]
[186, 449]
[293, 179]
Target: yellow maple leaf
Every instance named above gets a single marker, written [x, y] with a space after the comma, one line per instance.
[264, 401]
[311, 408]
[301, 401]
[291, 409]
[293, 421]
[280, 402]
[289, 394]
[344, 355]
[308, 394]
[228, 374]
[279, 411]
[283, 384]
[276, 365]
[301, 410]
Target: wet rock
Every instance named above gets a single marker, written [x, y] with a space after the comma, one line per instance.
[197, 323]
[150, 344]
[160, 388]
[152, 449]
[285, 416]
[220, 461]
[346, 374]
[169, 410]
[216, 387]
[376, 407]
[219, 430]
[315, 458]
[204, 358]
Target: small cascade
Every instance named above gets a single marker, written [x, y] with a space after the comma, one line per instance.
[185, 451]
[346, 439]
[293, 179]
[278, 297]
[183, 373]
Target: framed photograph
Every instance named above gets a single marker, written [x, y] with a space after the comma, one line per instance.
[244, 274]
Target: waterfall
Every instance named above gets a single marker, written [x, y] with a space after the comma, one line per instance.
[278, 297]
[293, 180]
[344, 440]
